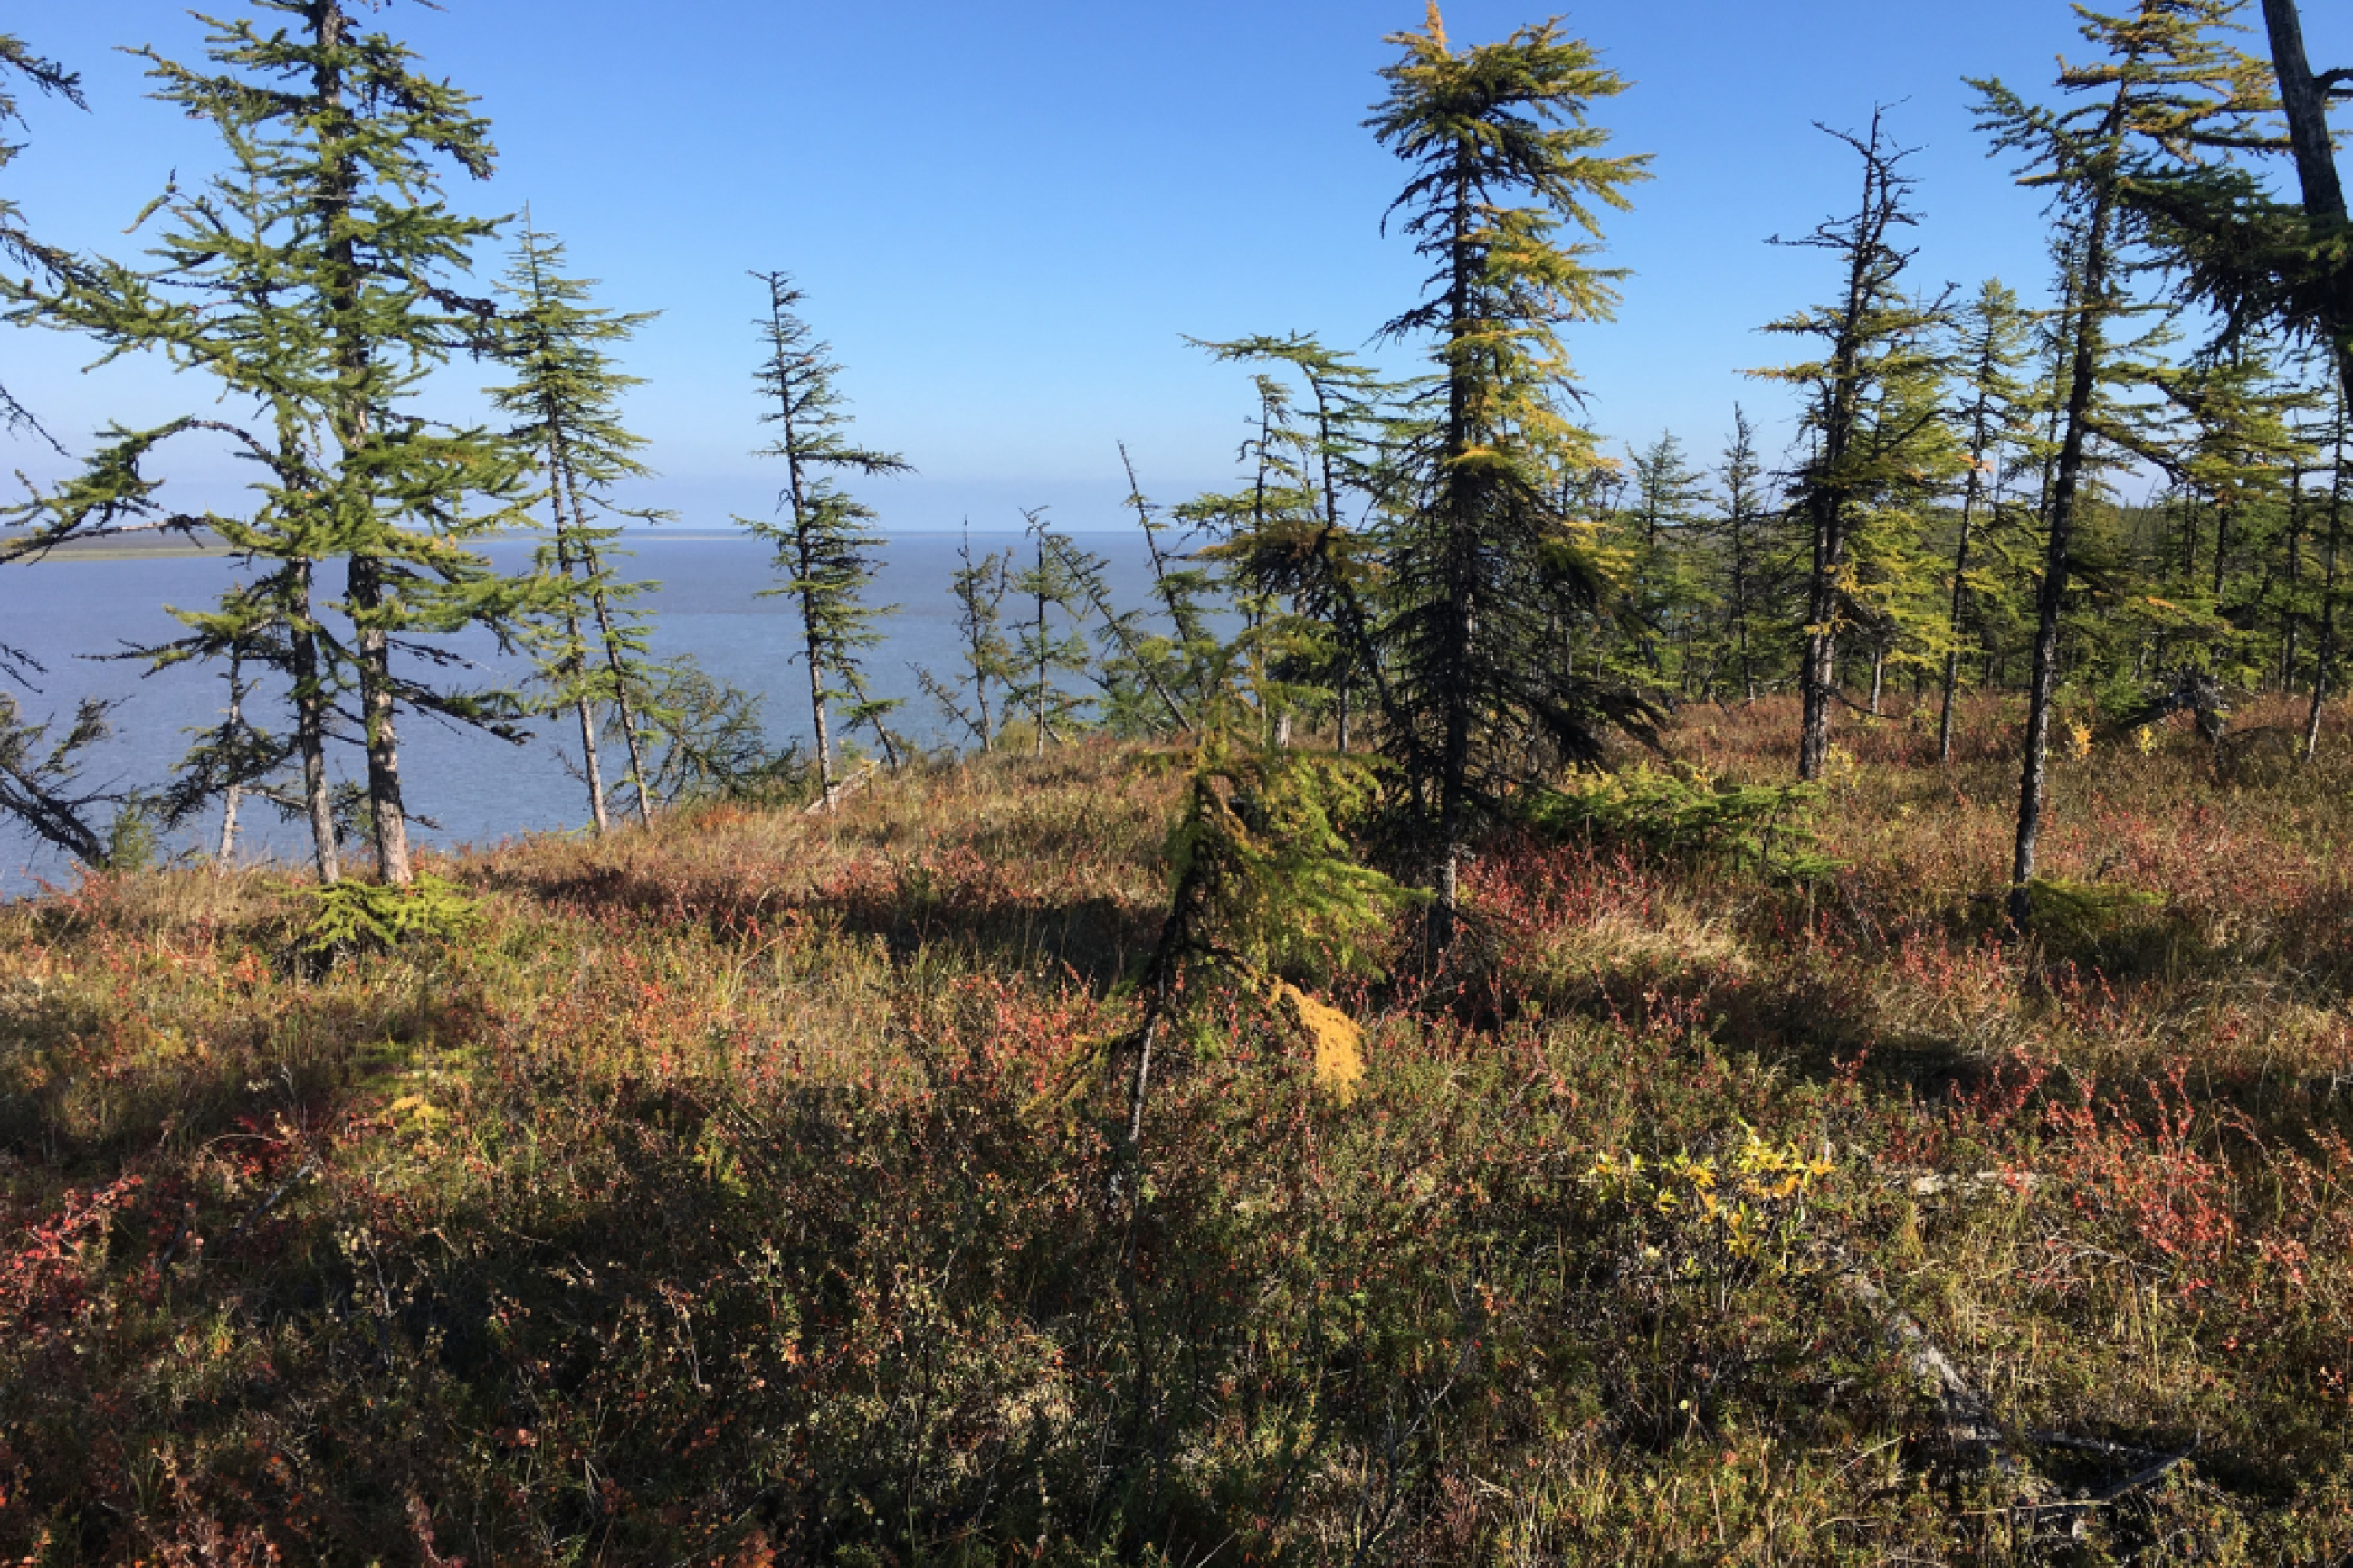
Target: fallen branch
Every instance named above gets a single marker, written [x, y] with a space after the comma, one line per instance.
[833, 796]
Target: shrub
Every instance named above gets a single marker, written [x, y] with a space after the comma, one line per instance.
[353, 917]
[1766, 826]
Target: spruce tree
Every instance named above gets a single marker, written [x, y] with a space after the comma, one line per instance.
[1482, 564]
[824, 538]
[565, 402]
[314, 283]
[2167, 90]
[1749, 587]
[1656, 533]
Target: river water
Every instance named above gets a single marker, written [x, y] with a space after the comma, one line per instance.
[69, 613]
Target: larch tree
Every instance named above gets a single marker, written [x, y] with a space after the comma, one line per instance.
[824, 538]
[565, 402]
[1990, 333]
[984, 659]
[18, 243]
[1311, 553]
[314, 282]
[1863, 433]
[1655, 532]
[1048, 648]
[40, 784]
[2167, 92]
[1482, 562]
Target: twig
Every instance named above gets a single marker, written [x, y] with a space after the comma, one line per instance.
[310, 1168]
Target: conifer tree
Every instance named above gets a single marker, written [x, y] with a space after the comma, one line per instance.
[1309, 555]
[1047, 653]
[1483, 564]
[1191, 657]
[40, 779]
[2324, 664]
[565, 403]
[2167, 90]
[1863, 413]
[18, 243]
[313, 283]
[824, 539]
[1655, 532]
[1748, 587]
[1989, 354]
[2234, 243]
[986, 659]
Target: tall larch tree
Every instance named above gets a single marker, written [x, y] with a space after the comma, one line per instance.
[318, 283]
[2167, 90]
[824, 538]
[1484, 560]
[565, 403]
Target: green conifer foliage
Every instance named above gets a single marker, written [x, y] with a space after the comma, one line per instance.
[1483, 564]
[1656, 533]
[1292, 544]
[986, 660]
[313, 282]
[1990, 338]
[2166, 92]
[595, 650]
[1750, 586]
[1871, 421]
[16, 242]
[824, 538]
[1048, 648]
[40, 779]
[2340, 476]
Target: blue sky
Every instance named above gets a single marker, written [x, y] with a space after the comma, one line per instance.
[1007, 216]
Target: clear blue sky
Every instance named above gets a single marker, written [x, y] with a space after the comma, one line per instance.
[1007, 216]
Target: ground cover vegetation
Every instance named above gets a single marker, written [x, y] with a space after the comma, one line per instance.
[1523, 1006]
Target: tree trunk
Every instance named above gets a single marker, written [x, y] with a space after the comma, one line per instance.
[391, 819]
[1460, 578]
[2067, 481]
[2290, 621]
[2306, 107]
[1980, 438]
[2324, 657]
[342, 287]
[1043, 652]
[575, 653]
[1878, 675]
[817, 713]
[311, 726]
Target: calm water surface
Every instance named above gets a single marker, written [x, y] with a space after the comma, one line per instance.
[71, 613]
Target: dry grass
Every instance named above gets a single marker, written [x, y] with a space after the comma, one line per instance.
[744, 1192]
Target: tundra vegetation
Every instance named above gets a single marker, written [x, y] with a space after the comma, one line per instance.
[1521, 1007]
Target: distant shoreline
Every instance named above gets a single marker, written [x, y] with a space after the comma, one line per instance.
[140, 550]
